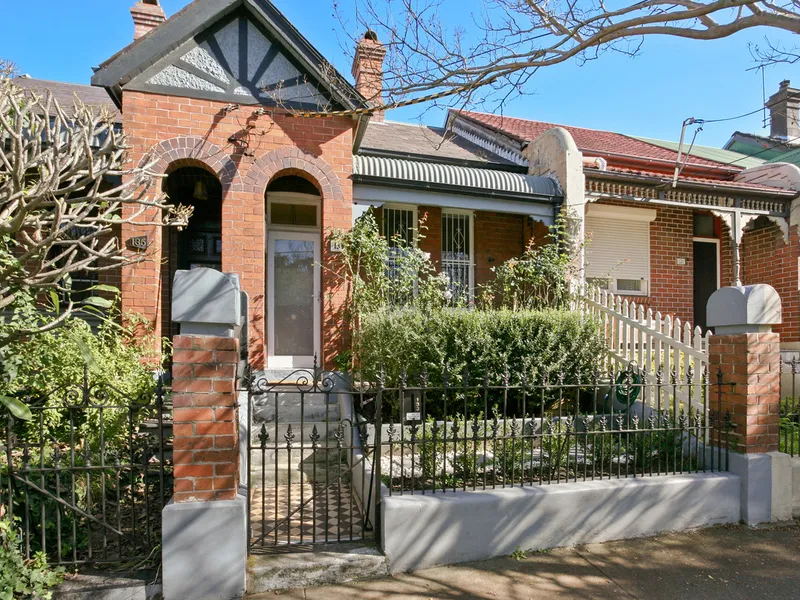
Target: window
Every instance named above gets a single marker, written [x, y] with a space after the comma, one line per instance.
[703, 226]
[398, 226]
[618, 250]
[457, 253]
[302, 215]
[398, 229]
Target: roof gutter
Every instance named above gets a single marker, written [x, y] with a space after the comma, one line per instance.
[659, 182]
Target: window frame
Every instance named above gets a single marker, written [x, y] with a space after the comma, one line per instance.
[413, 209]
[612, 212]
[470, 263]
[293, 198]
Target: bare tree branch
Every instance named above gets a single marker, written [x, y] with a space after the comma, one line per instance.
[509, 40]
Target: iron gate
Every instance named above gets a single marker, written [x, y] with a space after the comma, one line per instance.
[309, 471]
[86, 478]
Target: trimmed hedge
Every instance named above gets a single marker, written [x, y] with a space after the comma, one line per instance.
[537, 343]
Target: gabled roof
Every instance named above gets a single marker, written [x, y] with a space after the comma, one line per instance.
[761, 146]
[195, 19]
[792, 157]
[422, 142]
[66, 93]
[721, 155]
[616, 147]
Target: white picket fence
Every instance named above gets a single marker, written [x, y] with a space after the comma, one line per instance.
[654, 342]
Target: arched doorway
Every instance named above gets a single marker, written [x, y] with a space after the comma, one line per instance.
[200, 243]
[293, 272]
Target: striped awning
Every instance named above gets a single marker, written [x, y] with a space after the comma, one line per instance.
[436, 176]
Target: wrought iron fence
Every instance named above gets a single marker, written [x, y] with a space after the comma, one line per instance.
[462, 435]
[86, 478]
[308, 475]
[790, 413]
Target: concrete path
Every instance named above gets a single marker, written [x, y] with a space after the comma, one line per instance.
[730, 563]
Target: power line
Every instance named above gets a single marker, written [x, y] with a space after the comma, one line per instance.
[758, 110]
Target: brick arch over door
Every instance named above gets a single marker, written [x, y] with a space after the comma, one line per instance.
[293, 161]
[297, 162]
[192, 151]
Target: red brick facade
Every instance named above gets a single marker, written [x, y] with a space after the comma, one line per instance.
[173, 132]
[764, 258]
[206, 423]
[767, 258]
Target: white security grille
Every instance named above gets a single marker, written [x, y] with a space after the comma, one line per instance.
[398, 229]
[398, 226]
[457, 253]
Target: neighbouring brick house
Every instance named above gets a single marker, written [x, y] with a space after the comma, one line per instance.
[211, 97]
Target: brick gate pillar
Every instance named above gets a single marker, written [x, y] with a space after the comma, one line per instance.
[205, 422]
[204, 527]
[747, 353]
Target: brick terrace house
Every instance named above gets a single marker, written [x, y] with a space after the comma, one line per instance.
[210, 97]
[663, 245]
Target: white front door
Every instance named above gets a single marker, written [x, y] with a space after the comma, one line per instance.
[293, 299]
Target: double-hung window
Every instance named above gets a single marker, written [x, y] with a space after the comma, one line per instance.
[457, 253]
[618, 250]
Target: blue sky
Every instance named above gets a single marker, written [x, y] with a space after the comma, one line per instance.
[649, 95]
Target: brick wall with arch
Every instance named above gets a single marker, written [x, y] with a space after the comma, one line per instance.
[245, 149]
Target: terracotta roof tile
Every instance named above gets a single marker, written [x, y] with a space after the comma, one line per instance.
[587, 140]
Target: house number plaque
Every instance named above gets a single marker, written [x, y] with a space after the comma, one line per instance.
[138, 243]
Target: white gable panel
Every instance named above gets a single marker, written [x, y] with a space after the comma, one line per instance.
[618, 249]
[257, 48]
[177, 77]
[228, 40]
[200, 58]
[210, 65]
[280, 69]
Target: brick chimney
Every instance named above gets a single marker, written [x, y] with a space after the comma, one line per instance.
[368, 70]
[784, 113]
[147, 15]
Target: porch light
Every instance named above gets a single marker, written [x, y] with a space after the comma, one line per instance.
[200, 190]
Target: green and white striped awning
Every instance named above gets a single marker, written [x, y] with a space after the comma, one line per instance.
[412, 174]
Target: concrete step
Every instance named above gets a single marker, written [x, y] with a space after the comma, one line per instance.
[297, 473]
[308, 455]
[301, 431]
[96, 585]
[290, 406]
[326, 564]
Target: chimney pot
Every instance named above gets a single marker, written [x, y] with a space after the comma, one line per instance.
[368, 70]
[147, 15]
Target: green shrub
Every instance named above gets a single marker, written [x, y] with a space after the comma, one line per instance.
[20, 578]
[122, 357]
[47, 372]
[537, 344]
[538, 279]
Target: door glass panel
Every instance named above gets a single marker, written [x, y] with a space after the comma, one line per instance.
[293, 302]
